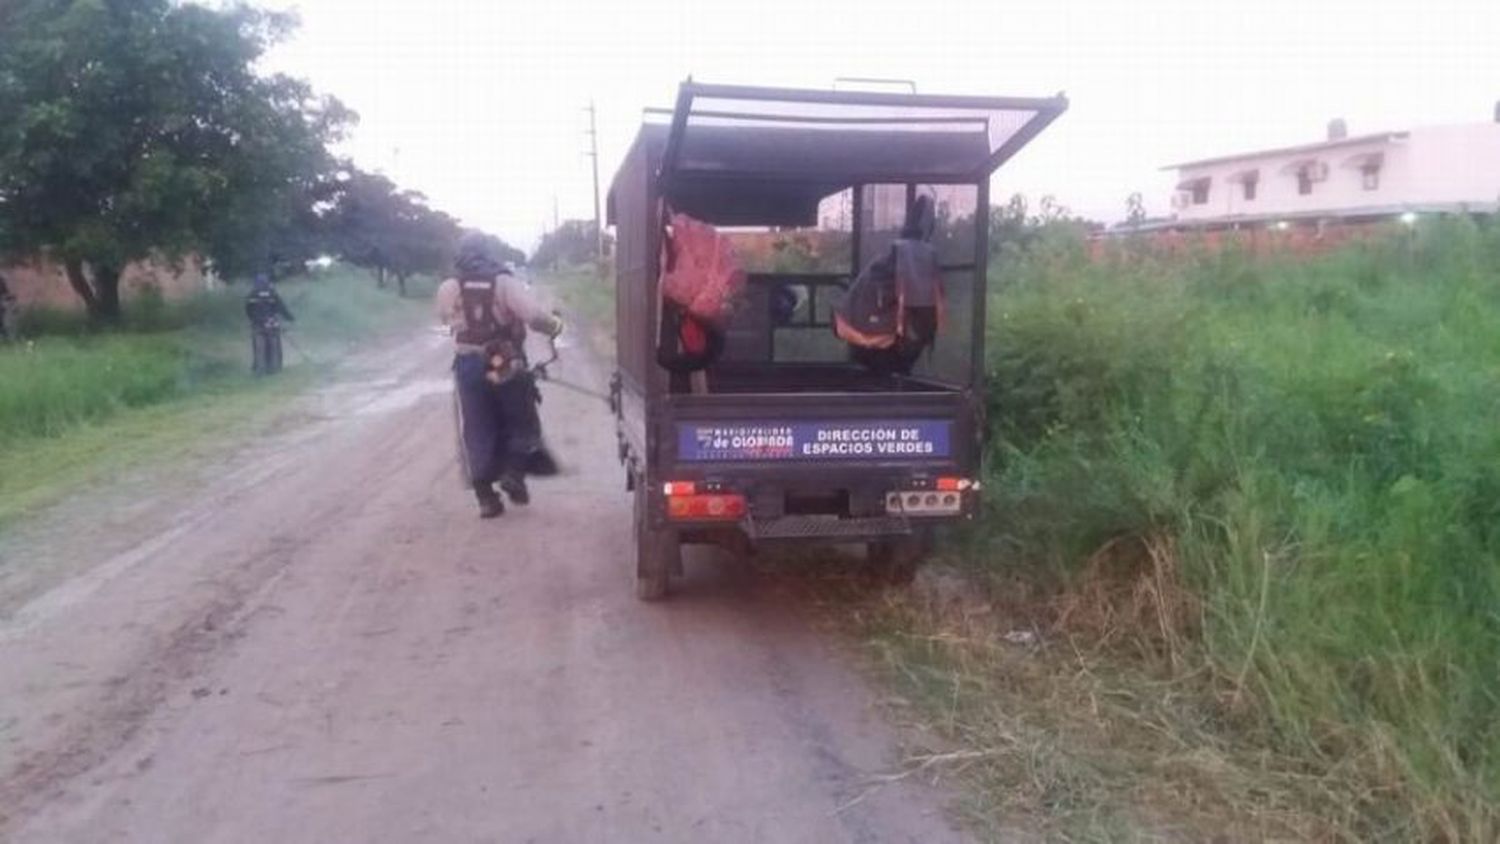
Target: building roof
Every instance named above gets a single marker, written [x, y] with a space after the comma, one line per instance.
[1292, 150]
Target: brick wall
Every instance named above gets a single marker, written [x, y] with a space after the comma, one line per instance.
[1299, 239]
[44, 283]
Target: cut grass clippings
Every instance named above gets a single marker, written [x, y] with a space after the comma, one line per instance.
[1049, 737]
[1087, 746]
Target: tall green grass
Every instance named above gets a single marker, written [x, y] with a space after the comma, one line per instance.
[65, 374]
[1316, 444]
[588, 289]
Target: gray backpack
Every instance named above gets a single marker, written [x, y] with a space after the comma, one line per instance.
[869, 317]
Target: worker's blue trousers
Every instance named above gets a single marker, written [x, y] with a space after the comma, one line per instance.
[498, 423]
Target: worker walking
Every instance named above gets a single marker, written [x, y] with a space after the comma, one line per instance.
[265, 310]
[489, 310]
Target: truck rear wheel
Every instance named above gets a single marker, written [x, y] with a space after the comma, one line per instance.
[657, 553]
[895, 561]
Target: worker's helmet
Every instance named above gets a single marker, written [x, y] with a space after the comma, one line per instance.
[477, 257]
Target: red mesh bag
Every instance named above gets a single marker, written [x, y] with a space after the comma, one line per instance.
[700, 269]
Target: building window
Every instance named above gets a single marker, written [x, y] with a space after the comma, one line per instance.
[1192, 191]
[1249, 186]
[1369, 176]
[1304, 181]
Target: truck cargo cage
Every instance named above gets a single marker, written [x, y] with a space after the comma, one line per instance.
[840, 170]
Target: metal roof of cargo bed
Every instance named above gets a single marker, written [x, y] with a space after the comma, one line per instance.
[735, 155]
[846, 137]
[735, 199]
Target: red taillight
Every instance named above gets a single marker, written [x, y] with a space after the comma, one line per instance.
[676, 488]
[949, 484]
[706, 507]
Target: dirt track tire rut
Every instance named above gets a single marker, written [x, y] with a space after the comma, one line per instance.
[329, 645]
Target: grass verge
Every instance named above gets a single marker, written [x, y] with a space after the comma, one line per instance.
[47, 470]
[590, 294]
[1248, 510]
[78, 405]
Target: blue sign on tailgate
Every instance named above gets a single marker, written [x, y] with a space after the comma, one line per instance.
[907, 439]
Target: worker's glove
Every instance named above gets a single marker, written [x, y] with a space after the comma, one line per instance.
[557, 326]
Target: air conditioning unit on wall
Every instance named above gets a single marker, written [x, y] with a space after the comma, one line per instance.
[1317, 171]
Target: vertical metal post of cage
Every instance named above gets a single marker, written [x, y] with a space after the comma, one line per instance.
[651, 292]
[770, 340]
[980, 305]
[685, 93]
[858, 210]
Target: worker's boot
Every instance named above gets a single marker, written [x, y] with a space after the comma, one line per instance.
[490, 504]
[514, 484]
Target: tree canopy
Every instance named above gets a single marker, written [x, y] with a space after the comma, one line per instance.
[139, 128]
[392, 232]
[134, 129]
[573, 242]
[503, 251]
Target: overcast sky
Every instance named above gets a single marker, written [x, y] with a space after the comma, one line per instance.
[479, 103]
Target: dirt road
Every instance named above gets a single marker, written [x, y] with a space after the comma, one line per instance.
[314, 639]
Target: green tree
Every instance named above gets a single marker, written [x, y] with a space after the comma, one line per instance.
[573, 242]
[247, 239]
[1011, 226]
[421, 242]
[391, 232]
[139, 128]
[502, 250]
[361, 220]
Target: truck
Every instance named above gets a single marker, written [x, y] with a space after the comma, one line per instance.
[786, 437]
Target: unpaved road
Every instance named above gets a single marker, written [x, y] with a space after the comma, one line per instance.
[316, 640]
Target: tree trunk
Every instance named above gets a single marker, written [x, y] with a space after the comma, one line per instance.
[80, 284]
[401, 285]
[101, 297]
[380, 277]
[107, 288]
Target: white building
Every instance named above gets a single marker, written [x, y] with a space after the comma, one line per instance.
[1431, 169]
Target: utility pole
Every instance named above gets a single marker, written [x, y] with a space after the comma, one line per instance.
[593, 154]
